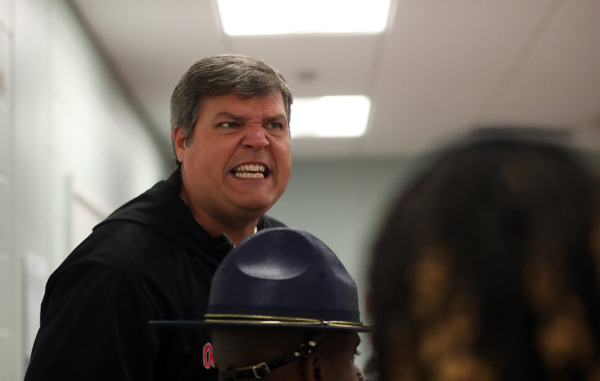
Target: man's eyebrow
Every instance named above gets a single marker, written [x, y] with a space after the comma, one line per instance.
[276, 118]
[226, 114]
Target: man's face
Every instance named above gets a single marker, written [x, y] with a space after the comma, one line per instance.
[338, 353]
[238, 162]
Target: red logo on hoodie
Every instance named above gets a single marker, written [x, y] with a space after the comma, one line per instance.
[209, 360]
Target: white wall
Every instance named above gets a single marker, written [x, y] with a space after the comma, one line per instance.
[65, 124]
[9, 297]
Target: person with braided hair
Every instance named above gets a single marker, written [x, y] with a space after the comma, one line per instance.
[487, 267]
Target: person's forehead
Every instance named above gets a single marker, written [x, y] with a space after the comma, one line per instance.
[354, 338]
[344, 340]
[233, 103]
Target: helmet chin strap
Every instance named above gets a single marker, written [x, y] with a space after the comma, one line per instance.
[262, 369]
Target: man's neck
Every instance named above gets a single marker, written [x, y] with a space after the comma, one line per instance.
[236, 228]
[237, 237]
[235, 231]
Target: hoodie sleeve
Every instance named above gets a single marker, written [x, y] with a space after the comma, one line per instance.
[94, 326]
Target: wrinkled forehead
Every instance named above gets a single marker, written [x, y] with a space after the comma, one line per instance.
[274, 95]
[275, 98]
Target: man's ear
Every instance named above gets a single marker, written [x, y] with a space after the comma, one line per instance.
[179, 142]
[312, 370]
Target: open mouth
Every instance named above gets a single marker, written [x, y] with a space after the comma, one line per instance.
[251, 171]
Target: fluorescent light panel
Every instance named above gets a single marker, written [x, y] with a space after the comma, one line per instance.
[269, 17]
[330, 116]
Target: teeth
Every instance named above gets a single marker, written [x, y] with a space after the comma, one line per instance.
[250, 171]
[250, 168]
[248, 175]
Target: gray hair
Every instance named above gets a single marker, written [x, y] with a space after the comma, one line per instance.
[219, 75]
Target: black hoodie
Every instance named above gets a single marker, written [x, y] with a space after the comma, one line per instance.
[149, 260]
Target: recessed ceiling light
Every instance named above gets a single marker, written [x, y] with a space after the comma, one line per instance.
[269, 17]
[330, 116]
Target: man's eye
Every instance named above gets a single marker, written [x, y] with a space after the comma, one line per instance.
[356, 354]
[276, 126]
[229, 124]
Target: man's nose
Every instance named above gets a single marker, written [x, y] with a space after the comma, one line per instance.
[255, 137]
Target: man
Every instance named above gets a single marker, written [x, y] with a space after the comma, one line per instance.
[487, 266]
[282, 307]
[154, 258]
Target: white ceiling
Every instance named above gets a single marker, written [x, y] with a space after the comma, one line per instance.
[441, 67]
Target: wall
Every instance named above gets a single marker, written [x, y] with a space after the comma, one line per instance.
[9, 299]
[67, 130]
